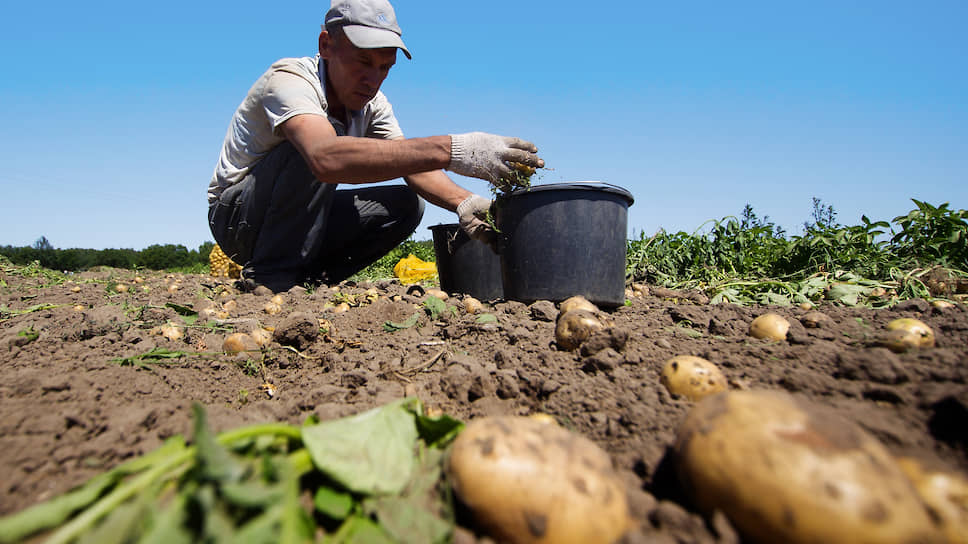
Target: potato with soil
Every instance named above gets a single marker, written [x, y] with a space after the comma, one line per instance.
[785, 471]
[692, 377]
[530, 481]
[575, 327]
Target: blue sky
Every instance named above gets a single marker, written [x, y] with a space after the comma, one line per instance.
[113, 112]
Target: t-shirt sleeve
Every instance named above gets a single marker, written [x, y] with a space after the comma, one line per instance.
[287, 95]
[383, 124]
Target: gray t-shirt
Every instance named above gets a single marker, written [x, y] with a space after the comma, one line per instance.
[288, 88]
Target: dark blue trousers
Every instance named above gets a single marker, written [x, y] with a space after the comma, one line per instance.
[286, 228]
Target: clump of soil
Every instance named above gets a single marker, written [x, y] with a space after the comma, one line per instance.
[88, 383]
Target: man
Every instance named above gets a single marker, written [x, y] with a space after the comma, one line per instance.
[311, 123]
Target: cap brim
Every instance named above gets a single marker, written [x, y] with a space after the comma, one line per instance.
[367, 37]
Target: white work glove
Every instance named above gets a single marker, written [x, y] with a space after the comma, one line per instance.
[473, 220]
[488, 156]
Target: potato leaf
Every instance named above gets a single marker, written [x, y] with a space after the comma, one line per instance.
[390, 326]
[434, 307]
[333, 504]
[369, 453]
[360, 528]
[421, 514]
[408, 522]
[215, 463]
[438, 431]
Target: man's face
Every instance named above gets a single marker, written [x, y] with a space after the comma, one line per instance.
[355, 74]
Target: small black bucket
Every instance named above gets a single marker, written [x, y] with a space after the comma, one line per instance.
[465, 265]
[564, 239]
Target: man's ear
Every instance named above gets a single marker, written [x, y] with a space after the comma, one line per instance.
[325, 43]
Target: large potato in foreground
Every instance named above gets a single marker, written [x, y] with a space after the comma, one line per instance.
[947, 495]
[783, 471]
[528, 481]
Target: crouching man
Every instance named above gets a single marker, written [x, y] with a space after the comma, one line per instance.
[311, 123]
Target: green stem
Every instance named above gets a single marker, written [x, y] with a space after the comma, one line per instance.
[53, 512]
[78, 525]
[152, 466]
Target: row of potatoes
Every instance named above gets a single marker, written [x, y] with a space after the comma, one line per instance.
[781, 469]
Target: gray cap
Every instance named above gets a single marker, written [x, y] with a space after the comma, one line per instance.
[368, 24]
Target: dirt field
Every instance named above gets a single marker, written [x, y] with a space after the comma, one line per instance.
[72, 405]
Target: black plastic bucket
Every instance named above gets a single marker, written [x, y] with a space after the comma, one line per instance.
[564, 239]
[465, 265]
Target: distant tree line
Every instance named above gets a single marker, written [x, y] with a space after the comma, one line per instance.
[155, 257]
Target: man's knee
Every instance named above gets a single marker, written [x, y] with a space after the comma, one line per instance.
[418, 209]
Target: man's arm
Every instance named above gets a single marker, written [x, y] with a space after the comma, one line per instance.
[342, 159]
[436, 187]
[346, 159]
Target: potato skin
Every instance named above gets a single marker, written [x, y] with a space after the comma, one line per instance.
[238, 342]
[945, 492]
[692, 377]
[905, 333]
[527, 482]
[784, 471]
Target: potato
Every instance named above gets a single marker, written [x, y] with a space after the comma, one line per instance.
[576, 302]
[528, 481]
[261, 336]
[237, 342]
[769, 326]
[785, 471]
[945, 493]
[692, 377]
[906, 333]
[472, 305]
[815, 320]
[574, 327]
[437, 293]
[272, 308]
[171, 332]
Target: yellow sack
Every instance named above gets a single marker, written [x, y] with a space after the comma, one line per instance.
[411, 269]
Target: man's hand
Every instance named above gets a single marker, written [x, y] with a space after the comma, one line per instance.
[488, 156]
[473, 214]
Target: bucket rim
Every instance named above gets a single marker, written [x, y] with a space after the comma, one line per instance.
[576, 185]
[442, 226]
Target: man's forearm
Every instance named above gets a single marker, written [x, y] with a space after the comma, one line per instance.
[346, 159]
[438, 189]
